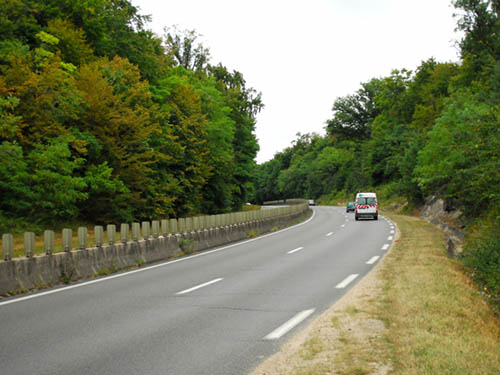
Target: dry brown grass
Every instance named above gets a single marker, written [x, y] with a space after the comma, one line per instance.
[437, 321]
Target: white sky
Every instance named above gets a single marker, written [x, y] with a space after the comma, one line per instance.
[302, 55]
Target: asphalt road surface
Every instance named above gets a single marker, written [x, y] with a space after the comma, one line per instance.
[218, 312]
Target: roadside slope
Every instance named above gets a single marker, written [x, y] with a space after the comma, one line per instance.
[415, 313]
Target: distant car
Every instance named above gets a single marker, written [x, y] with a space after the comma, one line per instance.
[311, 202]
[351, 206]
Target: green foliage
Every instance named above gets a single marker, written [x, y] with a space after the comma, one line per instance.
[112, 125]
[56, 191]
[462, 157]
[15, 188]
[8, 121]
[182, 46]
[353, 114]
[482, 255]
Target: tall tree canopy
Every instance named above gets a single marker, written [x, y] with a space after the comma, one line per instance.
[102, 120]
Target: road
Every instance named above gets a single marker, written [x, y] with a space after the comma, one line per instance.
[218, 312]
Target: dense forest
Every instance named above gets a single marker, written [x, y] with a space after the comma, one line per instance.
[101, 120]
[414, 134]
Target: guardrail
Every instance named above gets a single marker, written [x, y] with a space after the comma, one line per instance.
[285, 202]
[134, 245]
[110, 235]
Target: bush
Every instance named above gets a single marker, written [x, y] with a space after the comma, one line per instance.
[482, 255]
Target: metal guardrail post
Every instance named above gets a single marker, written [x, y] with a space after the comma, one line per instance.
[146, 230]
[83, 238]
[136, 231]
[188, 222]
[182, 225]
[164, 227]
[155, 228]
[67, 239]
[173, 226]
[111, 233]
[98, 235]
[29, 244]
[48, 242]
[124, 232]
[7, 246]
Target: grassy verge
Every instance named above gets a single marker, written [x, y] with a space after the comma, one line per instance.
[417, 313]
[437, 321]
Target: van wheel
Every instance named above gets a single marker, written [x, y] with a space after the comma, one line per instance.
[356, 217]
[376, 217]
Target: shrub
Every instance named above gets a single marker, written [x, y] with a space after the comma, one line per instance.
[482, 255]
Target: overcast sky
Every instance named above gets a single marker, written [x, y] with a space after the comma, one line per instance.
[302, 55]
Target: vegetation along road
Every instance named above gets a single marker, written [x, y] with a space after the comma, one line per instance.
[218, 312]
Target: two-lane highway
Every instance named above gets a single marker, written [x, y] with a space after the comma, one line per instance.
[217, 312]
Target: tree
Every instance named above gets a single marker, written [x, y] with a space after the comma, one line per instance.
[48, 99]
[245, 103]
[14, 181]
[182, 151]
[182, 46]
[462, 157]
[480, 46]
[354, 114]
[56, 188]
[116, 113]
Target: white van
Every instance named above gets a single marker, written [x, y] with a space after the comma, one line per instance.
[366, 206]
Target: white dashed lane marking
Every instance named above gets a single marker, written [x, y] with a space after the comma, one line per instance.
[199, 286]
[349, 279]
[295, 250]
[289, 325]
[373, 259]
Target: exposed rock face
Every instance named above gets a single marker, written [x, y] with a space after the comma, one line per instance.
[437, 211]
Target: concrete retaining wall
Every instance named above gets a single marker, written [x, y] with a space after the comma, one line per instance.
[26, 273]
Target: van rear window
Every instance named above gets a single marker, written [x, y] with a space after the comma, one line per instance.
[369, 200]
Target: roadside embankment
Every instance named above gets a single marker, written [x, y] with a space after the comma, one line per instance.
[22, 274]
[417, 312]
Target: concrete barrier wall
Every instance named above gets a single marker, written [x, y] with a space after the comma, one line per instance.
[40, 271]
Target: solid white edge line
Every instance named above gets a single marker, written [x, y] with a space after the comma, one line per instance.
[199, 286]
[62, 289]
[385, 247]
[373, 259]
[295, 250]
[349, 279]
[289, 325]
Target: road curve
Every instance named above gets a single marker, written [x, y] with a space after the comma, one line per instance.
[219, 312]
